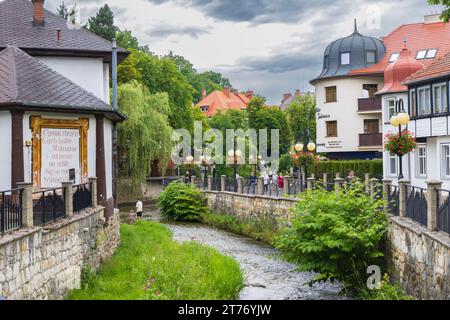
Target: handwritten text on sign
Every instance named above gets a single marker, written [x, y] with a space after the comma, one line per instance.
[60, 153]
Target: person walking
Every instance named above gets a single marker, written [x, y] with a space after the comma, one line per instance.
[350, 178]
[266, 182]
[139, 209]
[281, 182]
[252, 184]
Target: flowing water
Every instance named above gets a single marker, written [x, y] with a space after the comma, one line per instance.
[267, 276]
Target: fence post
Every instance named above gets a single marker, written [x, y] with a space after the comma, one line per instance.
[26, 188]
[338, 175]
[325, 180]
[367, 183]
[338, 182]
[433, 188]
[193, 181]
[310, 183]
[260, 186]
[210, 182]
[223, 181]
[93, 185]
[403, 196]
[386, 193]
[240, 187]
[68, 198]
[286, 182]
[373, 184]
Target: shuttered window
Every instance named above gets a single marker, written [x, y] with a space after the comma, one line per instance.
[331, 128]
[330, 94]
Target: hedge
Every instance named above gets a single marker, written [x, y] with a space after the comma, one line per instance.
[360, 167]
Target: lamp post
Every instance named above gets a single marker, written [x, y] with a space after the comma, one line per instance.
[234, 155]
[189, 164]
[301, 148]
[399, 119]
[206, 162]
[257, 164]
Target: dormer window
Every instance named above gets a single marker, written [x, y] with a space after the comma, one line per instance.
[421, 54]
[345, 58]
[204, 109]
[371, 56]
[394, 57]
[431, 53]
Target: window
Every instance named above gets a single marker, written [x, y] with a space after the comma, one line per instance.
[421, 161]
[204, 109]
[331, 129]
[371, 57]
[421, 54]
[446, 161]
[431, 53]
[331, 94]
[392, 164]
[440, 98]
[371, 126]
[412, 97]
[390, 109]
[371, 89]
[394, 57]
[345, 58]
[423, 103]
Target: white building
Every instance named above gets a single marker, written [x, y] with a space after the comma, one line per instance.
[55, 116]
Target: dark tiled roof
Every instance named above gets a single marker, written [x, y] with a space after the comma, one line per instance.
[26, 81]
[17, 29]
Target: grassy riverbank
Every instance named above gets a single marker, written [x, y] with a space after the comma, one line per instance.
[262, 229]
[150, 265]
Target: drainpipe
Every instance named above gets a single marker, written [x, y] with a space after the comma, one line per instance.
[115, 168]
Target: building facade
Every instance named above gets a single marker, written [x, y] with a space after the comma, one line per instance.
[227, 99]
[56, 120]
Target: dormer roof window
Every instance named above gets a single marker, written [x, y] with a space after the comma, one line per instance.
[394, 57]
[426, 54]
[345, 58]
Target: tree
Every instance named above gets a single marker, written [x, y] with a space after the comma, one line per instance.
[103, 23]
[66, 13]
[126, 40]
[446, 12]
[301, 115]
[146, 135]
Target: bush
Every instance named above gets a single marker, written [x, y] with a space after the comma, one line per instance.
[360, 167]
[387, 291]
[182, 202]
[336, 235]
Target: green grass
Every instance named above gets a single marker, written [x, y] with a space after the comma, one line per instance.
[150, 265]
[263, 229]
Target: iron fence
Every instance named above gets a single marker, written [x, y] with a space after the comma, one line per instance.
[416, 205]
[48, 206]
[295, 187]
[82, 197]
[10, 210]
[393, 197]
[443, 210]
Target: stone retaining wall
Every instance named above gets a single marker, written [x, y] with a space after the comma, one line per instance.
[45, 263]
[417, 258]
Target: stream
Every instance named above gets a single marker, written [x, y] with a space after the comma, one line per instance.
[267, 276]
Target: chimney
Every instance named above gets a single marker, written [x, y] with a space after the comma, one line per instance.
[249, 94]
[286, 96]
[38, 12]
[227, 91]
[203, 93]
[432, 18]
[58, 35]
[298, 93]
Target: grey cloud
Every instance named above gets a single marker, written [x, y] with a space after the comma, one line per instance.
[163, 31]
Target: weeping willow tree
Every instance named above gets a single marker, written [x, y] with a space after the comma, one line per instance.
[146, 136]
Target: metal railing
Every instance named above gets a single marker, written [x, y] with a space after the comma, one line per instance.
[393, 197]
[82, 197]
[48, 206]
[10, 210]
[417, 205]
[443, 210]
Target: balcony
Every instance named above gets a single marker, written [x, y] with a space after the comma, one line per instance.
[369, 105]
[371, 140]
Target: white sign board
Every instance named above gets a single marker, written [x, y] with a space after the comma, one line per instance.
[60, 153]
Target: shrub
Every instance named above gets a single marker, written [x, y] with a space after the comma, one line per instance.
[336, 235]
[360, 167]
[387, 291]
[182, 202]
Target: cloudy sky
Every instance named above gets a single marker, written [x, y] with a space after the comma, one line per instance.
[270, 46]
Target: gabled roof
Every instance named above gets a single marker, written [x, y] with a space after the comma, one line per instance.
[219, 100]
[17, 29]
[439, 68]
[419, 36]
[26, 81]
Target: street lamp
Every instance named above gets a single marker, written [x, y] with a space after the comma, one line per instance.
[301, 148]
[399, 119]
[257, 164]
[234, 156]
[206, 162]
[189, 164]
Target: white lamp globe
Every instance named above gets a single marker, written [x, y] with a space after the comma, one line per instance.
[395, 121]
[299, 147]
[231, 153]
[404, 118]
[311, 146]
[189, 158]
[238, 153]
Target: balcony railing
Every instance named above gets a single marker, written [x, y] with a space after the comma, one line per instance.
[370, 139]
[369, 104]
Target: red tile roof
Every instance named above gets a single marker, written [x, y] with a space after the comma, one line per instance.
[419, 36]
[440, 67]
[220, 100]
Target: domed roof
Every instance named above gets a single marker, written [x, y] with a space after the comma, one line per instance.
[353, 52]
[398, 71]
